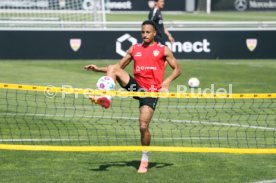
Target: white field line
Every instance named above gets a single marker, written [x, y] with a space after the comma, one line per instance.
[266, 181]
[248, 16]
[60, 140]
[224, 124]
[162, 107]
[205, 107]
[134, 118]
[67, 116]
[38, 140]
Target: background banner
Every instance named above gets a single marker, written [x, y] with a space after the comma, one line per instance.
[244, 5]
[112, 5]
[114, 44]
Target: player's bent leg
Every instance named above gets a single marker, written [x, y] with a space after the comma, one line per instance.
[118, 74]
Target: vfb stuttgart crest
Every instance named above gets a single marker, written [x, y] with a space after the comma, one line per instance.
[251, 44]
[155, 53]
[75, 44]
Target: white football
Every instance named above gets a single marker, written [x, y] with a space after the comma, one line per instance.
[106, 83]
[194, 82]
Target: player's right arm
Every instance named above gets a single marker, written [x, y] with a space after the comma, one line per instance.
[126, 59]
[122, 63]
[93, 67]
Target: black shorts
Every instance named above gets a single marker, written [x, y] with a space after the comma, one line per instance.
[134, 86]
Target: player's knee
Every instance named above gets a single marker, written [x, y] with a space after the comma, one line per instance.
[112, 68]
[143, 128]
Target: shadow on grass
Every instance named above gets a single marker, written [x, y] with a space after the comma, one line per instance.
[135, 164]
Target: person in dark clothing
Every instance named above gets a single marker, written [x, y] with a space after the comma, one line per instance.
[155, 15]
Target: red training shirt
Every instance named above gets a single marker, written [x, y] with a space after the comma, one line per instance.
[149, 65]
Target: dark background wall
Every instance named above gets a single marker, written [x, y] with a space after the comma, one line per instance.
[103, 44]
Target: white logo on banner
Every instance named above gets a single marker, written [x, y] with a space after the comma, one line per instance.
[251, 44]
[62, 3]
[189, 47]
[120, 40]
[75, 44]
[241, 5]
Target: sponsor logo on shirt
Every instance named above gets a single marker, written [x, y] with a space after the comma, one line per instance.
[138, 54]
[143, 68]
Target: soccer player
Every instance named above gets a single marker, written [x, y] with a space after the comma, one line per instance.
[149, 60]
[155, 15]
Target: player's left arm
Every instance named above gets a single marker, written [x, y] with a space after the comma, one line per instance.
[176, 70]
